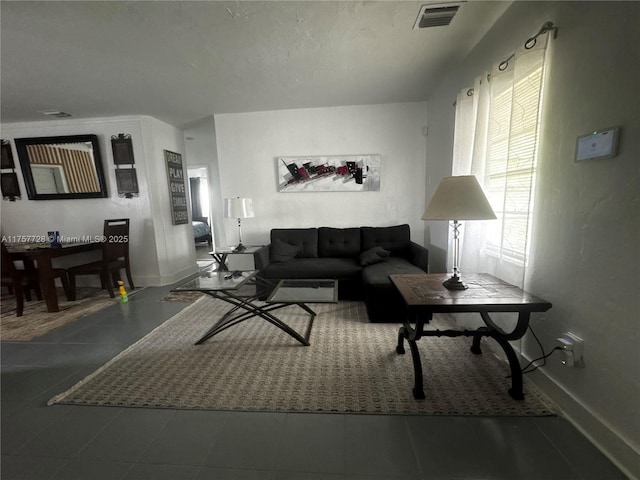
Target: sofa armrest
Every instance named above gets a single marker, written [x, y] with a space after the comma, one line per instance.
[261, 257]
[419, 256]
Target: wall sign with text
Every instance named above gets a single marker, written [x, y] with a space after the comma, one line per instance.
[177, 188]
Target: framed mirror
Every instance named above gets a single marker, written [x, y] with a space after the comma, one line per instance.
[56, 168]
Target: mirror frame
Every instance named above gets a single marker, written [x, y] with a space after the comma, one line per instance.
[23, 156]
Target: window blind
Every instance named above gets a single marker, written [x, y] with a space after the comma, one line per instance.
[511, 162]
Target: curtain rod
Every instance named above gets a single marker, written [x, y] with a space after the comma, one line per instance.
[529, 44]
[544, 29]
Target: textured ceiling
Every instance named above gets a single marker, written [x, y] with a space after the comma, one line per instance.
[183, 61]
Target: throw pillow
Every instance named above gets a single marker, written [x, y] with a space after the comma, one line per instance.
[373, 255]
[282, 252]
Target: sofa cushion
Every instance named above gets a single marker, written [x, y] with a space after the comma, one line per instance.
[384, 302]
[373, 255]
[338, 242]
[396, 239]
[314, 268]
[306, 239]
[378, 274]
[282, 252]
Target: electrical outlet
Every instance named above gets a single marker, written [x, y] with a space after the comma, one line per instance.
[572, 348]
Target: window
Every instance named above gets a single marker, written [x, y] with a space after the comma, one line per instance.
[511, 165]
[496, 139]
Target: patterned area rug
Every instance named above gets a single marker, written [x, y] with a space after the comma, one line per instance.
[36, 321]
[351, 366]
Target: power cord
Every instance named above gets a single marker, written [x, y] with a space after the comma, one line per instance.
[543, 357]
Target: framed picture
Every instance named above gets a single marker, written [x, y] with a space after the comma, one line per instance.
[7, 155]
[127, 181]
[336, 173]
[10, 186]
[177, 188]
[74, 161]
[122, 150]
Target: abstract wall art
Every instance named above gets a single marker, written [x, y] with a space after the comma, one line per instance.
[334, 173]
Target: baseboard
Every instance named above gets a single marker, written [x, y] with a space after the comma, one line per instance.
[614, 447]
[623, 455]
[163, 280]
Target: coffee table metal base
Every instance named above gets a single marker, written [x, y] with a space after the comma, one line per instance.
[244, 308]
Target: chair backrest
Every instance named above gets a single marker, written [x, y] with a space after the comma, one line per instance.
[8, 267]
[116, 244]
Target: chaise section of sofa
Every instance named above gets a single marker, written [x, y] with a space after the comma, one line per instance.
[383, 301]
[360, 258]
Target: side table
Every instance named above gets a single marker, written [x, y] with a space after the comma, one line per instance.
[425, 295]
[220, 255]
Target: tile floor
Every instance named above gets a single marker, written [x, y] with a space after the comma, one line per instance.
[110, 443]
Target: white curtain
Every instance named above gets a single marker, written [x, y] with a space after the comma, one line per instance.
[496, 139]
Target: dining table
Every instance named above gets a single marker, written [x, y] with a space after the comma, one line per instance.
[42, 255]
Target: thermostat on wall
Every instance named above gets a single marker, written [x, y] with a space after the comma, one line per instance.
[598, 144]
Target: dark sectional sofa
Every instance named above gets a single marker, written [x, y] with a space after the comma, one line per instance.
[360, 258]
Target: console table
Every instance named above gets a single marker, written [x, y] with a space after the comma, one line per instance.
[425, 295]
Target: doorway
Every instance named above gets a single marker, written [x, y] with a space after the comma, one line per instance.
[200, 212]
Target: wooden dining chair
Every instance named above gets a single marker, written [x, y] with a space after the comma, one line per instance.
[115, 257]
[20, 282]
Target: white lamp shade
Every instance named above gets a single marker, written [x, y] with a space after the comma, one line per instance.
[238, 208]
[459, 198]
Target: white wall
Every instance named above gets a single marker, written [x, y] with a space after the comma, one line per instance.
[159, 254]
[175, 248]
[587, 221]
[202, 151]
[249, 143]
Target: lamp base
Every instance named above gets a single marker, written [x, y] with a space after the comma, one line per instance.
[454, 283]
[240, 248]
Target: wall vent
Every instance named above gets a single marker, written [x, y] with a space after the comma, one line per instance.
[436, 14]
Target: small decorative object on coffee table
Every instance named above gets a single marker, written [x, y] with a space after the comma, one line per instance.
[425, 295]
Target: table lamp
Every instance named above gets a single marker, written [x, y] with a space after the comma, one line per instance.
[458, 198]
[238, 208]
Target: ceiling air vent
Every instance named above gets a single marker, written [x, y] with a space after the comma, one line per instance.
[436, 14]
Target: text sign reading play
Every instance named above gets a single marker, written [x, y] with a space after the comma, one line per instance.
[177, 188]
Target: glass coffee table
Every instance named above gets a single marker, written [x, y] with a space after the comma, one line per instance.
[227, 286]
